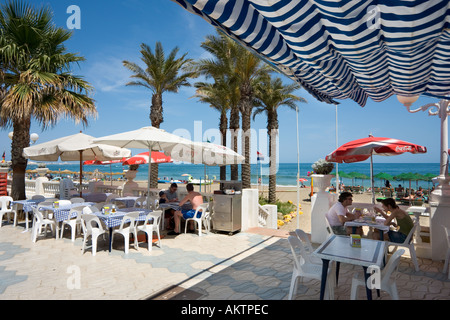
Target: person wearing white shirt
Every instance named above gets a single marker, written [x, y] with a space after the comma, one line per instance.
[339, 214]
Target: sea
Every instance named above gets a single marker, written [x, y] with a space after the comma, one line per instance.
[286, 172]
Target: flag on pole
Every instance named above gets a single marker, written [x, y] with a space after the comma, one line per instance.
[260, 156]
[3, 157]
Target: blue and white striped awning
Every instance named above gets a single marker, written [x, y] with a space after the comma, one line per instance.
[340, 49]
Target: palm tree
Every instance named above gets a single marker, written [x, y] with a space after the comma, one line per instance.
[221, 68]
[161, 74]
[249, 71]
[272, 94]
[220, 96]
[36, 80]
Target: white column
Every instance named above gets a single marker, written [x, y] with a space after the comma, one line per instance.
[440, 197]
[320, 204]
[249, 209]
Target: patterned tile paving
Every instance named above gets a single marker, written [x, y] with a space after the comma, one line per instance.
[215, 266]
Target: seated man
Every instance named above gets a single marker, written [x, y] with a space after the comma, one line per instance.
[168, 196]
[196, 199]
[339, 214]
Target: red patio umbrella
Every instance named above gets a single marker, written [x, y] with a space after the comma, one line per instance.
[363, 149]
[97, 162]
[142, 158]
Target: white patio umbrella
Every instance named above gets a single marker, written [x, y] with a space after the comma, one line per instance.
[214, 155]
[152, 139]
[77, 147]
[178, 148]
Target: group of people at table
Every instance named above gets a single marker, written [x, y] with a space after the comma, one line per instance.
[339, 214]
[187, 206]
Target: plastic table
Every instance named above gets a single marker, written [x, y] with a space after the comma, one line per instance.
[338, 248]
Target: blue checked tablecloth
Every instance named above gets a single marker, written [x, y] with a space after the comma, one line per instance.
[128, 201]
[62, 213]
[28, 204]
[115, 219]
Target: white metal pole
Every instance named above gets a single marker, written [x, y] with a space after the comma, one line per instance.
[337, 146]
[298, 173]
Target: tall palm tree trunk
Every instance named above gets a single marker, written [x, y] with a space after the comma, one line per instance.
[234, 128]
[156, 118]
[272, 131]
[246, 105]
[273, 137]
[223, 132]
[21, 140]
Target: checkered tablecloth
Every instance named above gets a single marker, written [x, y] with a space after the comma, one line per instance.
[171, 205]
[29, 204]
[128, 201]
[115, 219]
[62, 213]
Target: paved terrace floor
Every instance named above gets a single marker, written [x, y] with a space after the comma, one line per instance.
[246, 266]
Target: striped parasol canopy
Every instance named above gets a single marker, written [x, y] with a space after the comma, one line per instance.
[343, 49]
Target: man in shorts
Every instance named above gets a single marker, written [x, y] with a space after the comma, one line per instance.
[196, 199]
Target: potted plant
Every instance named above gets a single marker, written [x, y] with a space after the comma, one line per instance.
[130, 174]
[321, 175]
[42, 169]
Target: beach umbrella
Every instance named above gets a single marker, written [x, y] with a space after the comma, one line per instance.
[152, 139]
[383, 176]
[76, 147]
[214, 154]
[101, 163]
[363, 149]
[142, 158]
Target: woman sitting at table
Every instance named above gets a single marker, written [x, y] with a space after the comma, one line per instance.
[404, 221]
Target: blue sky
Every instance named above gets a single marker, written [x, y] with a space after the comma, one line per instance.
[112, 31]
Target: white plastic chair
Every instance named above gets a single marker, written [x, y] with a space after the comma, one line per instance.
[304, 267]
[203, 220]
[111, 197]
[149, 228]
[386, 283]
[140, 202]
[328, 227]
[6, 207]
[91, 227]
[64, 203]
[74, 223]
[90, 209]
[38, 222]
[408, 243]
[307, 245]
[99, 205]
[447, 257]
[153, 203]
[77, 200]
[130, 219]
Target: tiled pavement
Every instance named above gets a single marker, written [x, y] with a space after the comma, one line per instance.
[245, 266]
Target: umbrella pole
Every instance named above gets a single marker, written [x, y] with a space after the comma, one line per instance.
[81, 172]
[371, 179]
[149, 177]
